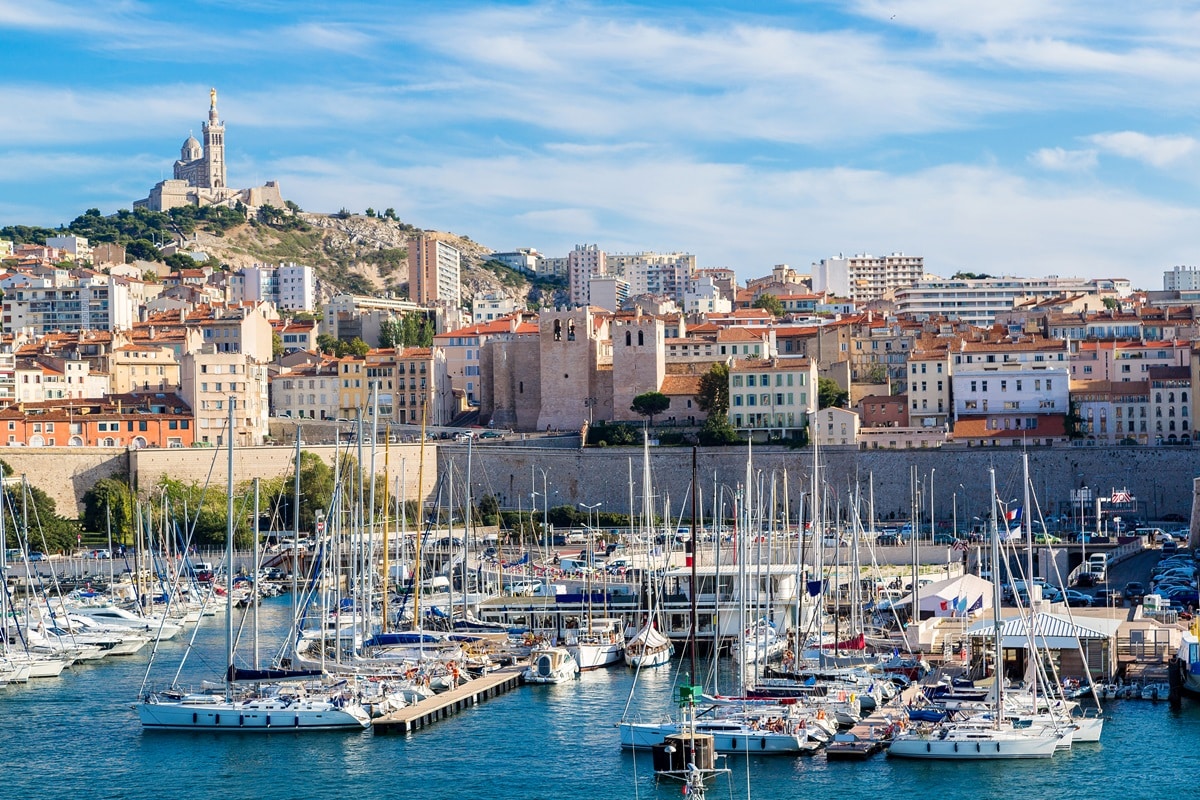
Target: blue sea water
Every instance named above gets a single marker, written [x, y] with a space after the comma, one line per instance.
[77, 737]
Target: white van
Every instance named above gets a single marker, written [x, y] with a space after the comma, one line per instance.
[1098, 564]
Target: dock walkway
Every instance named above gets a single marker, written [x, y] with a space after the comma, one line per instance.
[471, 693]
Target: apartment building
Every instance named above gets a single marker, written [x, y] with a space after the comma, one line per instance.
[434, 270]
[309, 391]
[1010, 391]
[1113, 412]
[864, 278]
[771, 397]
[980, 301]
[140, 367]
[583, 263]
[113, 421]
[210, 379]
[289, 286]
[58, 300]
[1170, 388]
[1128, 361]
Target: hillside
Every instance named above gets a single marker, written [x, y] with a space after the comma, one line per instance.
[351, 252]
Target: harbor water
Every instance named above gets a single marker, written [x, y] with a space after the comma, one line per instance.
[77, 737]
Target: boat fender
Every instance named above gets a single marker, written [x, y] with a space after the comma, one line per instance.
[194, 719]
[268, 720]
[928, 747]
[978, 747]
[821, 713]
[241, 720]
[956, 747]
[297, 723]
[217, 719]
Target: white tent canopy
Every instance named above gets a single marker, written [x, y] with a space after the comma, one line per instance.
[961, 596]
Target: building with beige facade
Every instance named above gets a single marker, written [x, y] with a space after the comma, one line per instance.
[434, 270]
[310, 391]
[140, 367]
[834, 427]
[210, 379]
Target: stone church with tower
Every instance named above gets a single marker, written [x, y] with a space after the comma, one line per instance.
[199, 175]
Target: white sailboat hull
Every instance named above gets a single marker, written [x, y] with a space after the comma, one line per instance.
[261, 716]
[974, 748]
[597, 656]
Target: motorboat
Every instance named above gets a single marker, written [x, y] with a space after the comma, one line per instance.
[551, 665]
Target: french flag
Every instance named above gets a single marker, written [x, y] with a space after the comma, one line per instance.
[1013, 514]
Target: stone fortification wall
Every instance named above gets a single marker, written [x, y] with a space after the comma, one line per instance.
[1161, 478]
[66, 473]
[195, 464]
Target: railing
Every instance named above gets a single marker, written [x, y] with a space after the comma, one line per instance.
[1115, 556]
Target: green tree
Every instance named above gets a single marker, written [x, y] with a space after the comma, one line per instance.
[713, 398]
[876, 373]
[650, 403]
[830, 394]
[489, 509]
[293, 207]
[389, 213]
[180, 261]
[327, 343]
[770, 302]
[276, 345]
[357, 347]
[370, 212]
[1112, 304]
[143, 250]
[109, 500]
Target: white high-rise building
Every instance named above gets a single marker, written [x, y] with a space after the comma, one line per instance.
[585, 262]
[1176, 279]
[289, 286]
[863, 278]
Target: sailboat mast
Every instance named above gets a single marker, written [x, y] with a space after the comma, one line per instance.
[229, 559]
[387, 451]
[695, 553]
[998, 672]
[1031, 590]
[254, 531]
[419, 522]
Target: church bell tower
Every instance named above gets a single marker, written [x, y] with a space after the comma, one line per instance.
[214, 146]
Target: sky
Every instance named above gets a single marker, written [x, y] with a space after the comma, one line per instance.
[1024, 137]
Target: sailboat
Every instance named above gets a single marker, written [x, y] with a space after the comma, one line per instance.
[649, 647]
[993, 736]
[265, 706]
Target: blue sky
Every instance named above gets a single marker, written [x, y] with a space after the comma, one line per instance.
[1028, 137]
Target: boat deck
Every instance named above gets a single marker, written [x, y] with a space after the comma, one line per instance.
[472, 693]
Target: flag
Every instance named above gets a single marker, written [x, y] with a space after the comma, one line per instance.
[1013, 514]
[960, 546]
[945, 604]
[815, 587]
[977, 605]
[961, 605]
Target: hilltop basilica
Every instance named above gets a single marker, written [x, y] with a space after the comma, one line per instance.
[200, 175]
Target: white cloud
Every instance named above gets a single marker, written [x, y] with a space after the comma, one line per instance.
[1157, 151]
[957, 216]
[1058, 159]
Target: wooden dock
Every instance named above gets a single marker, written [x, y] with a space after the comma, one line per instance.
[446, 704]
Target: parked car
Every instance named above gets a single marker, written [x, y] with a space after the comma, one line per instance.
[1182, 597]
[1134, 592]
[944, 538]
[1075, 598]
[1087, 579]
[34, 555]
[491, 435]
[1106, 596]
[1046, 538]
